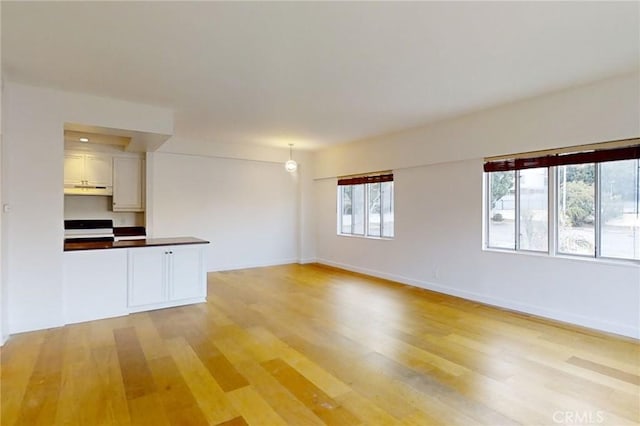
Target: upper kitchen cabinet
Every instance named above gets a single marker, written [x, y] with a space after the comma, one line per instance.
[128, 184]
[87, 172]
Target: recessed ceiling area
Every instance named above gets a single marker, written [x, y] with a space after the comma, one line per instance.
[96, 138]
[127, 140]
[316, 73]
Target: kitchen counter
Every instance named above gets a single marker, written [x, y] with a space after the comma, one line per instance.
[149, 242]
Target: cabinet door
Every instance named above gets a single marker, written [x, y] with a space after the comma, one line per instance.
[98, 170]
[147, 275]
[73, 169]
[186, 271]
[128, 184]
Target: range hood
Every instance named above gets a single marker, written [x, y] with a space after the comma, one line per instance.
[88, 190]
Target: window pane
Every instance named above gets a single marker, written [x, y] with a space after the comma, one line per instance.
[502, 207]
[620, 223]
[345, 208]
[387, 209]
[576, 209]
[534, 209]
[358, 209]
[374, 209]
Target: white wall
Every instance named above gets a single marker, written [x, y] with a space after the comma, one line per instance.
[33, 174]
[595, 113]
[438, 190]
[247, 209]
[233, 160]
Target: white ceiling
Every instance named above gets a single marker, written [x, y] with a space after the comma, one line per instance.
[316, 73]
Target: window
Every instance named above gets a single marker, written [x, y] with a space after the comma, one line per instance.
[502, 225]
[582, 202]
[365, 205]
[620, 209]
[525, 193]
[533, 203]
[576, 209]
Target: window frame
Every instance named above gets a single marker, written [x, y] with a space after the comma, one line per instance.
[517, 191]
[487, 219]
[366, 181]
[598, 214]
[556, 224]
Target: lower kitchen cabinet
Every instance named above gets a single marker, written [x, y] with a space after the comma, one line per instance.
[95, 285]
[165, 276]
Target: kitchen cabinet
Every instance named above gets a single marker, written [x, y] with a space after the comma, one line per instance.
[165, 276]
[87, 170]
[94, 285]
[73, 169]
[128, 184]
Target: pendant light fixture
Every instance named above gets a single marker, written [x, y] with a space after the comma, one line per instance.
[291, 165]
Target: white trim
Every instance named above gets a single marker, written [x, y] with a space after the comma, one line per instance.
[35, 326]
[220, 268]
[164, 305]
[580, 320]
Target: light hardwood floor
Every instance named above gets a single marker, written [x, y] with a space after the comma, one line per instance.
[311, 345]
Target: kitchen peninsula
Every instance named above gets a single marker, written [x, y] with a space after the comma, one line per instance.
[105, 279]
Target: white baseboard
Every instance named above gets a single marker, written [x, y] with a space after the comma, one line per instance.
[27, 327]
[594, 323]
[233, 267]
[307, 261]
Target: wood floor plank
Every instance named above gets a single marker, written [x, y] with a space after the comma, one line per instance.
[311, 371]
[285, 404]
[238, 421]
[634, 379]
[136, 375]
[329, 410]
[148, 410]
[212, 400]
[18, 361]
[151, 342]
[253, 408]
[393, 396]
[78, 379]
[179, 403]
[365, 410]
[40, 402]
[218, 365]
[429, 385]
[107, 368]
[313, 345]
